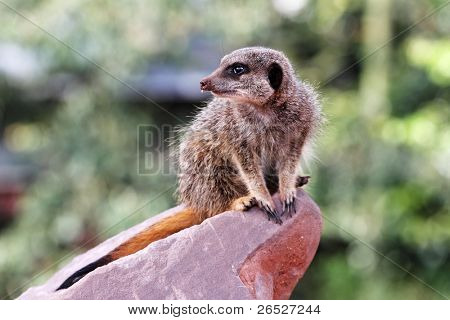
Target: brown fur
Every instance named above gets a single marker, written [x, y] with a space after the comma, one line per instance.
[160, 230]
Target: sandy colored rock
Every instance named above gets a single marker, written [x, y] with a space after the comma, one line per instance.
[234, 255]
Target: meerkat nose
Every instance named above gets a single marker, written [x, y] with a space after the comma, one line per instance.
[205, 84]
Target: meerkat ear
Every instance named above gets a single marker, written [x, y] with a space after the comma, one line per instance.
[275, 75]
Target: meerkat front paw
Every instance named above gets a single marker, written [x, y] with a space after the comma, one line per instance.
[243, 203]
[288, 201]
[247, 202]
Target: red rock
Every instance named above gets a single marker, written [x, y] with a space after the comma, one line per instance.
[234, 255]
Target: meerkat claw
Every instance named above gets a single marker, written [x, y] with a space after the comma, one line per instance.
[286, 206]
[271, 213]
[289, 206]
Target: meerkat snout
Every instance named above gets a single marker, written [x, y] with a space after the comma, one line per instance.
[205, 84]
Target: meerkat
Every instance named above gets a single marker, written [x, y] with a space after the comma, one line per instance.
[241, 148]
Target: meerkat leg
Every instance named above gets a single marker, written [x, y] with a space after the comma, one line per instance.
[253, 178]
[288, 179]
[287, 194]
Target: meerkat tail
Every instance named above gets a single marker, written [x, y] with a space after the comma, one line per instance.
[160, 230]
[301, 181]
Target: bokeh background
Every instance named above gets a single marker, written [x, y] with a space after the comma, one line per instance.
[77, 78]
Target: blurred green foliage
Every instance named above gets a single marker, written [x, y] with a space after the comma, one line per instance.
[382, 174]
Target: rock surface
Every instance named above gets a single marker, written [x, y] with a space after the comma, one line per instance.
[234, 255]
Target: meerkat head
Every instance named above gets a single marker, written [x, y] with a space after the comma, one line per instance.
[255, 75]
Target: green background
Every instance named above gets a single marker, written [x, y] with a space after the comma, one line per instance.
[381, 173]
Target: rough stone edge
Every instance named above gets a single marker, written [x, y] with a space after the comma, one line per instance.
[257, 271]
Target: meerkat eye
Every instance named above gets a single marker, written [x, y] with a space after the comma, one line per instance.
[237, 69]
